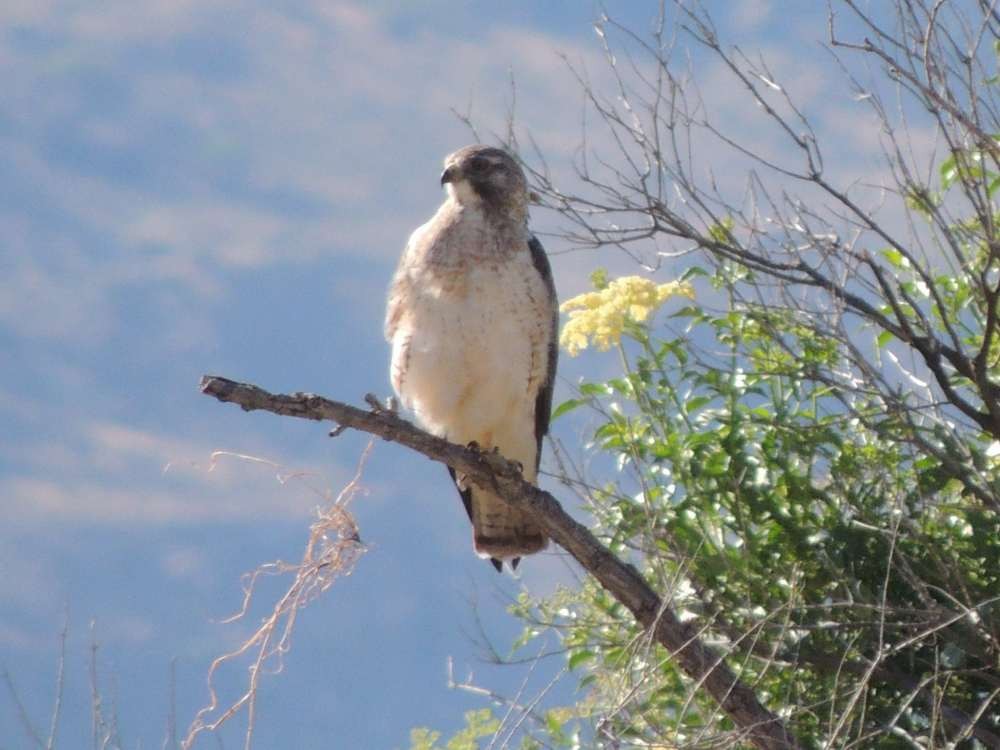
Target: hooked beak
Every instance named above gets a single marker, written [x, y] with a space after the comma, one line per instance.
[449, 175]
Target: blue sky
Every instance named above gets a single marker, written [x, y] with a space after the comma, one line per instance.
[210, 187]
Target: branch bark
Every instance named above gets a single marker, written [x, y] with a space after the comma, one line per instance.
[704, 665]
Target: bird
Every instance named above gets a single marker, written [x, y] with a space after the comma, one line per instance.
[472, 318]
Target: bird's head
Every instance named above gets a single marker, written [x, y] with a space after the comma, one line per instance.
[488, 175]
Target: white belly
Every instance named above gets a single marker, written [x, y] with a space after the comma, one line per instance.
[467, 359]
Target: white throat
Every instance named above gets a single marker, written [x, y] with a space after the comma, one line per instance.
[462, 193]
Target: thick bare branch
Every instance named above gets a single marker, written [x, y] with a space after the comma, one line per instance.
[491, 471]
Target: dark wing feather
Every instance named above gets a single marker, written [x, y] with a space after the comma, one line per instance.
[543, 402]
[467, 502]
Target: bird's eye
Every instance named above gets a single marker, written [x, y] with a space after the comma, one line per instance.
[479, 165]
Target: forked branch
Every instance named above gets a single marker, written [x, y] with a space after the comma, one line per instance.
[704, 665]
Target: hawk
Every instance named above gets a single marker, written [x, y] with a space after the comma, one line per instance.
[472, 318]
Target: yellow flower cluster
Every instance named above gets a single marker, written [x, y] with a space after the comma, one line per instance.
[599, 317]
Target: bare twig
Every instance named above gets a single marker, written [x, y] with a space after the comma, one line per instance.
[60, 685]
[22, 712]
[331, 551]
[170, 738]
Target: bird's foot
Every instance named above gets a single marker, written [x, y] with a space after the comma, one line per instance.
[495, 451]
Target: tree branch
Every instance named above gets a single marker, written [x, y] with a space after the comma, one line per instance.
[704, 665]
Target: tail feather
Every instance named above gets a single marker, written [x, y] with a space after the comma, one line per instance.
[500, 531]
[513, 562]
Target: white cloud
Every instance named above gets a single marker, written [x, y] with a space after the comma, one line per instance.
[71, 500]
[110, 472]
[26, 11]
[323, 142]
[750, 14]
[126, 628]
[29, 581]
[38, 300]
[184, 562]
[18, 639]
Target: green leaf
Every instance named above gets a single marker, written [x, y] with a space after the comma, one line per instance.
[722, 232]
[593, 389]
[567, 406]
[688, 311]
[948, 171]
[993, 185]
[694, 271]
[696, 402]
[717, 463]
[883, 338]
[599, 278]
[580, 657]
[895, 257]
